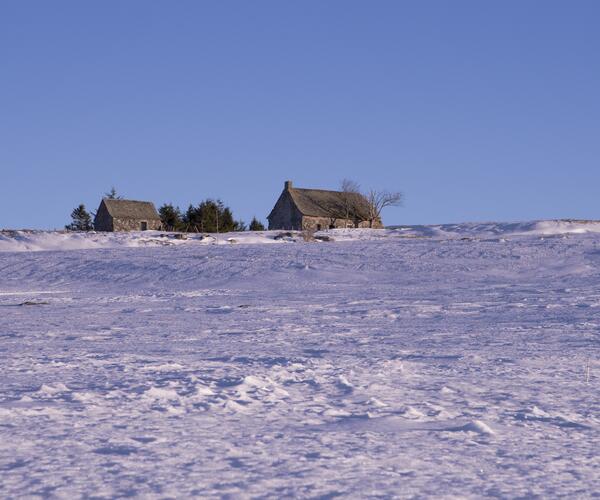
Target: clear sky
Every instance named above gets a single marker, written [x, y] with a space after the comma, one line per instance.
[475, 110]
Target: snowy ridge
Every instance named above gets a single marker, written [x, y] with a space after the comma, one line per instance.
[23, 241]
[497, 229]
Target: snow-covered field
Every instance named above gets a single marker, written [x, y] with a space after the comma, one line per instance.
[447, 361]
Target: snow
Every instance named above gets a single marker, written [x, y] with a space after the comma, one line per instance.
[449, 361]
[31, 240]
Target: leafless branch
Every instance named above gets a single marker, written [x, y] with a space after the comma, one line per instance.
[378, 200]
[349, 186]
[350, 198]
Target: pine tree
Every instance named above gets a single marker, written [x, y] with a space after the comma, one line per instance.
[239, 225]
[207, 215]
[170, 217]
[189, 219]
[226, 222]
[112, 194]
[256, 225]
[211, 216]
[82, 221]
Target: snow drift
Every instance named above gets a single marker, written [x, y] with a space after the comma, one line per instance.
[27, 240]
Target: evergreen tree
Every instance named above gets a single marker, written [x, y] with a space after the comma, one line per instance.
[207, 215]
[226, 222]
[210, 216]
[256, 225]
[189, 219]
[170, 217]
[239, 225]
[82, 221]
[112, 194]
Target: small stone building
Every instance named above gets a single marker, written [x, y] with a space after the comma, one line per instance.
[126, 215]
[317, 209]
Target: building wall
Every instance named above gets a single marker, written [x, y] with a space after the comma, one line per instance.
[135, 225]
[285, 215]
[310, 223]
[377, 224]
[103, 221]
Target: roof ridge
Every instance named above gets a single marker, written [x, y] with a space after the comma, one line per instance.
[127, 200]
[311, 189]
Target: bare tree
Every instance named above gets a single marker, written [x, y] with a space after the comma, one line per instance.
[350, 198]
[378, 200]
[349, 186]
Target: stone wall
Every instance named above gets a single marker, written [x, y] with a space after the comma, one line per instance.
[312, 223]
[285, 215]
[103, 221]
[135, 225]
[320, 223]
[377, 224]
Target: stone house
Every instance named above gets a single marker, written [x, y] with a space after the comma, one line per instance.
[317, 209]
[126, 215]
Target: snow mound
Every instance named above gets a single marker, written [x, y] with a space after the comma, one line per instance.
[476, 426]
[497, 229]
[35, 241]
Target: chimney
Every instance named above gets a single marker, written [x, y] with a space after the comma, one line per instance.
[288, 185]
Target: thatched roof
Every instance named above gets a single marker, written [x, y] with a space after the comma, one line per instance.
[131, 209]
[323, 203]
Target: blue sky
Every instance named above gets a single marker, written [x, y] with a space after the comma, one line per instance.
[474, 110]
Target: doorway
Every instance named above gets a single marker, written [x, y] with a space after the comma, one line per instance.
[144, 226]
